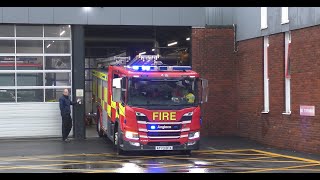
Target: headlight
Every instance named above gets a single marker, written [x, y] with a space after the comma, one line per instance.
[188, 114]
[132, 135]
[194, 135]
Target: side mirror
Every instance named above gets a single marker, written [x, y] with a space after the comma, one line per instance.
[205, 90]
[116, 89]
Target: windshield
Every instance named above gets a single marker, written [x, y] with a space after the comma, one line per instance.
[159, 92]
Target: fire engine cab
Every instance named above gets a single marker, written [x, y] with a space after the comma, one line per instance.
[146, 105]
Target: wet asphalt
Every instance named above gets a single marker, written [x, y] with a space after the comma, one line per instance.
[97, 155]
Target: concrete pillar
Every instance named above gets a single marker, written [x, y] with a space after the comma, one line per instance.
[78, 77]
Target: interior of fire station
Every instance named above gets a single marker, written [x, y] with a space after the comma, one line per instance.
[118, 45]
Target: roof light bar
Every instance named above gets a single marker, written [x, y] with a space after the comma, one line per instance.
[181, 68]
[160, 68]
[135, 67]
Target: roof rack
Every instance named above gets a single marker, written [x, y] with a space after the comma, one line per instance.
[150, 63]
[140, 59]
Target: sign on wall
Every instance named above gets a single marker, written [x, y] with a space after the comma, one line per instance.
[79, 92]
[307, 110]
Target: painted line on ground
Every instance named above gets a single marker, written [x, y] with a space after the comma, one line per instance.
[56, 155]
[280, 169]
[240, 154]
[221, 150]
[49, 165]
[288, 156]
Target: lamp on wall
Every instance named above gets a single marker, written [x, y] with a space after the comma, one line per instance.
[87, 8]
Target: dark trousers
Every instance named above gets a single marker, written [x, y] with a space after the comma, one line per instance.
[66, 125]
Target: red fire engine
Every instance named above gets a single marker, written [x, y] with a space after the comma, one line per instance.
[149, 107]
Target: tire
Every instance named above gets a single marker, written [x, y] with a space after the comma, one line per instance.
[117, 139]
[99, 130]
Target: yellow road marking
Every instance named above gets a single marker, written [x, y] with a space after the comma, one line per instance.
[317, 170]
[287, 156]
[274, 161]
[282, 168]
[240, 154]
[103, 171]
[264, 155]
[216, 159]
[221, 150]
[54, 156]
[244, 159]
[49, 165]
[56, 169]
[175, 165]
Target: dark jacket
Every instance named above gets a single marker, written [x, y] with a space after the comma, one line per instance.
[64, 103]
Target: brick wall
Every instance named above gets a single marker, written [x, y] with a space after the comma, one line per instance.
[284, 131]
[236, 87]
[213, 58]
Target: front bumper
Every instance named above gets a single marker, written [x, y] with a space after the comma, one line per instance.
[127, 146]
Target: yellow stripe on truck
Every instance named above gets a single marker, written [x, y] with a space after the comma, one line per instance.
[109, 110]
[100, 75]
[100, 92]
[122, 110]
[105, 91]
[113, 104]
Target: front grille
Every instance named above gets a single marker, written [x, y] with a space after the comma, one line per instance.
[164, 126]
[144, 118]
[186, 118]
[163, 143]
[163, 134]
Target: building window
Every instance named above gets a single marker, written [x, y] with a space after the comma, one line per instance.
[29, 31]
[7, 79]
[7, 31]
[7, 46]
[265, 74]
[287, 74]
[264, 17]
[29, 46]
[53, 95]
[35, 62]
[7, 95]
[284, 15]
[30, 95]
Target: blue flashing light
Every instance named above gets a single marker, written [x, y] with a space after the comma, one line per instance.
[163, 68]
[146, 68]
[153, 127]
[182, 68]
[135, 67]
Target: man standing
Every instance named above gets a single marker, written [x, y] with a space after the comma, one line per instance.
[64, 103]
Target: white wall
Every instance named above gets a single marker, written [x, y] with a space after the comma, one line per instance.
[23, 120]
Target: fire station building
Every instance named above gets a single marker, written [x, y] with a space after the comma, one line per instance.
[261, 63]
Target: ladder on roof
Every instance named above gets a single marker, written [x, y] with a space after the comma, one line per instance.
[150, 63]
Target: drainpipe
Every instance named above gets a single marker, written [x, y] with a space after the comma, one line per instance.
[235, 47]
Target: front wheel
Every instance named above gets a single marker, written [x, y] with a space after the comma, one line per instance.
[117, 140]
[99, 130]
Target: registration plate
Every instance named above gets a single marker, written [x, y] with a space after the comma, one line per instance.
[164, 148]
